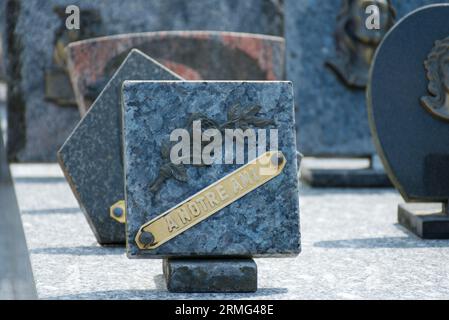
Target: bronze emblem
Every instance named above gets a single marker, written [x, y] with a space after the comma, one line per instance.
[437, 67]
[58, 88]
[355, 43]
[238, 117]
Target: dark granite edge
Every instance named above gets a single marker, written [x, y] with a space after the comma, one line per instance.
[75, 192]
[15, 104]
[217, 257]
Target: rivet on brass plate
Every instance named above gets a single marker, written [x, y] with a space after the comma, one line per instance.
[118, 212]
[210, 200]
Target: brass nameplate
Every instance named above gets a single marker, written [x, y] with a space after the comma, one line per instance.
[210, 200]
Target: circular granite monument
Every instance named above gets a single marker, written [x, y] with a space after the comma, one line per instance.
[408, 103]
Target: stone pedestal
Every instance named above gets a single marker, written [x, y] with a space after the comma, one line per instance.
[427, 221]
[373, 176]
[210, 275]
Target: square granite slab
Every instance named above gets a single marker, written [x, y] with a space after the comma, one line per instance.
[91, 158]
[332, 118]
[263, 223]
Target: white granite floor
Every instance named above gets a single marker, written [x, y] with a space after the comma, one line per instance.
[352, 248]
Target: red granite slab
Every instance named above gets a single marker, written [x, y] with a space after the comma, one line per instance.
[194, 55]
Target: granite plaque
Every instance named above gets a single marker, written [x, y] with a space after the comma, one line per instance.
[265, 222]
[41, 110]
[91, 158]
[408, 109]
[193, 55]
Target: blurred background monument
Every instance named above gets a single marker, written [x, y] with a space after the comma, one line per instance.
[41, 106]
[329, 52]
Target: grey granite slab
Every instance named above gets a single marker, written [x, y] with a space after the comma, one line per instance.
[91, 158]
[331, 118]
[210, 275]
[16, 276]
[41, 120]
[264, 222]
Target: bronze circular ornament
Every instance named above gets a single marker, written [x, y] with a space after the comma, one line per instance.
[437, 67]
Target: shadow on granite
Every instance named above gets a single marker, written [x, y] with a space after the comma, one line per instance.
[52, 211]
[159, 282]
[39, 180]
[305, 190]
[410, 242]
[80, 251]
[165, 295]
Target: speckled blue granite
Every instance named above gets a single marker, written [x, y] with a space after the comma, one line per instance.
[91, 158]
[332, 119]
[263, 223]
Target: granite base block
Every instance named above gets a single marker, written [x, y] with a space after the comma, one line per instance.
[210, 275]
[345, 178]
[424, 220]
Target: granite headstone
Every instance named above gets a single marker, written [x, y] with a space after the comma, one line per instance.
[265, 222]
[91, 158]
[194, 55]
[329, 50]
[408, 111]
[40, 109]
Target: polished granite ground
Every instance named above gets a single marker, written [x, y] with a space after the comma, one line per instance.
[352, 248]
